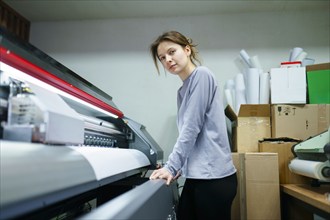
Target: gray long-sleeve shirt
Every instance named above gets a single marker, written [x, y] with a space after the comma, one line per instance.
[202, 149]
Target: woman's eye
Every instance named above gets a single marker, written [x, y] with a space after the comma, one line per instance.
[161, 58]
[172, 52]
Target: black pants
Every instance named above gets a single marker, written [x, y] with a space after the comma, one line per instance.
[207, 199]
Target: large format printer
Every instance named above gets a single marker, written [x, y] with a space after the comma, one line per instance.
[67, 151]
[312, 158]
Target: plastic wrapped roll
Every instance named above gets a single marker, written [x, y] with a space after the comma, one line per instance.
[308, 168]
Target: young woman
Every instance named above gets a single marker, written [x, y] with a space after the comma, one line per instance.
[202, 153]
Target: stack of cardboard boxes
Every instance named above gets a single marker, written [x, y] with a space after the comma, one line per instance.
[262, 138]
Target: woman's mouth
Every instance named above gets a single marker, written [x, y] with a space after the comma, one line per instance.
[172, 66]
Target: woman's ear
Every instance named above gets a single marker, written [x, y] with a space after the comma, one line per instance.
[187, 50]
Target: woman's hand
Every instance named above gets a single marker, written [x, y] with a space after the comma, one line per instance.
[162, 173]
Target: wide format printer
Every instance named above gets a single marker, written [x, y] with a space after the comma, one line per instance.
[67, 151]
[313, 158]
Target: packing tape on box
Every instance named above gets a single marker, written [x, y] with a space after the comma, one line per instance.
[309, 168]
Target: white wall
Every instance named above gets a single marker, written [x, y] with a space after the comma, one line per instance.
[114, 54]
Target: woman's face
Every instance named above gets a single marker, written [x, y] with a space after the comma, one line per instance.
[174, 57]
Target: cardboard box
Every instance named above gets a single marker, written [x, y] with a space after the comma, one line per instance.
[250, 125]
[288, 85]
[299, 121]
[318, 83]
[321, 66]
[236, 206]
[282, 146]
[258, 195]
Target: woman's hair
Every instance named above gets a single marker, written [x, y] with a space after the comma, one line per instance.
[177, 38]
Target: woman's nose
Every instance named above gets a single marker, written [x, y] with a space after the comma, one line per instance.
[168, 58]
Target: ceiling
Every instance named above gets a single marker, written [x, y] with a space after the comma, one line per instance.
[63, 10]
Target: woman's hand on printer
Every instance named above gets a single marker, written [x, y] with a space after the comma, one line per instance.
[162, 173]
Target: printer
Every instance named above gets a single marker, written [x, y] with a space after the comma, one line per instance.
[312, 158]
[67, 151]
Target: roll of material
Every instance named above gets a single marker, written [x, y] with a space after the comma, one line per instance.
[307, 61]
[230, 84]
[239, 82]
[295, 53]
[230, 93]
[240, 64]
[240, 99]
[308, 168]
[245, 56]
[252, 94]
[240, 96]
[301, 56]
[255, 63]
[229, 98]
[264, 93]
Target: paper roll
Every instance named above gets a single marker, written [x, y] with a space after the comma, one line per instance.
[230, 84]
[244, 55]
[239, 82]
[240, 64]
[230, 93]
[301, 56]
[240, 99]
[308, 168]
[252, 92]
[294, 53]
[229, 98]
[255, 63]
[307, 62]
[240, 96]
[264, 92]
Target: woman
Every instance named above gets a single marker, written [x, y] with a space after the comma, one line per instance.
[201, 153]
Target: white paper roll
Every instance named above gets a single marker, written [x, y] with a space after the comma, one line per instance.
[240, 64]
[239, 82]
[255, 63]
[240, 96]
[301, 56]
[240, 99]
[244, 55]
[264, 92]
[290, 56]
[307, 62]
[294, 53]
[230, 94]
[308, 168]
[230, 84]
[252, 92]
[229, 98]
